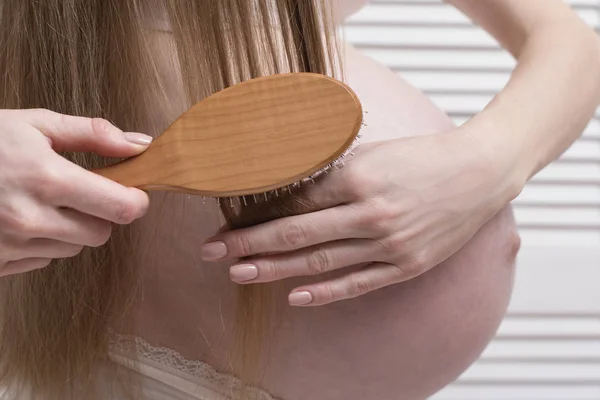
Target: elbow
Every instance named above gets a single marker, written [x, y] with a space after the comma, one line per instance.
[578, 42]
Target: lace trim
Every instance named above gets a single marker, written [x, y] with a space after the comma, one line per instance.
[171, 359]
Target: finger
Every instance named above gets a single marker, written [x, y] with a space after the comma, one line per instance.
[284, 234]
[372, 277]
[80, 134]
[95, 195]
[340, 184]
[46, 248]
[311, 261]
[74, 227]
[41, 248]
[58, 225]
[328, 190]
[22, 266]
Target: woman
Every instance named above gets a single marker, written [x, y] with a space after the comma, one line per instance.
[434, 199]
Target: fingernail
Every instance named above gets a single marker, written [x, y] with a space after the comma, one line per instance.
[213, 251]
[243, 273]
[300, 298]
[138, 138]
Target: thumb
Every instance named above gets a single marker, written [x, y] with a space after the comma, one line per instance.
[81, 134]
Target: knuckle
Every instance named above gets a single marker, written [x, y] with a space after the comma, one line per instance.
[319, 261]
[47, 117]
[400, 273]
[244, 245]
[376, 218]
[391, 246]
[358, 182]
[269, 270]
[418, 264]
[126, 213]
[327, 294]
[293, 235]
[42, 113]
[26, 224]
[49, 183]
[361, 285]
[409, 267]
[101, 127]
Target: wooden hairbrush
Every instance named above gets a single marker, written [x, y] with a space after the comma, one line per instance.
[254, 137]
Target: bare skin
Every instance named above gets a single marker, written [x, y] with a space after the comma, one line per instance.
[403, 342]
[410, 339]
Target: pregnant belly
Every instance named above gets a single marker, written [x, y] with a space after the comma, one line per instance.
[403, 342]
[409, 340]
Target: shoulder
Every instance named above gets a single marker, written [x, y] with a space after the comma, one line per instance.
[345, 8]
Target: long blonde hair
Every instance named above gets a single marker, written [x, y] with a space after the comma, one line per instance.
[94, 58]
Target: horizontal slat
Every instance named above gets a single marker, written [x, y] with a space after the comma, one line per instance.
[551, 326]
[376, 36]
[555, 195]
[421, 11]
[574, 382]
[559, 239]
[433, 81]
[462, 99]
[574, 3]
[573, 172]
[532, 392]
[391, 15]
[468, 113]
[584, 150]
[543, 350]
[562, 277]
[376, 45]
[522, 372]
[593, 129]
[591, 132]
[582, 218]
[571, 182]
[422, 60]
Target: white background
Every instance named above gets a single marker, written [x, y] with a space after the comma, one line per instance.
[548, 348]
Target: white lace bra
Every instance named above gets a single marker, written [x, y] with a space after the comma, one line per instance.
[166, 375]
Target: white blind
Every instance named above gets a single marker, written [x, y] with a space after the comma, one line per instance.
[548, 348]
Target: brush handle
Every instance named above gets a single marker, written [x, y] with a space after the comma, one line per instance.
[144, 171]
[127, 173]
[159, 168]
[251, 138]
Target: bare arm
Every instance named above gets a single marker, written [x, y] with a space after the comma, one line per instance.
[554, 90]
[403, 206]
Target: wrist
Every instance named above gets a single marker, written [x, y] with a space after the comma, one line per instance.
[500, 157]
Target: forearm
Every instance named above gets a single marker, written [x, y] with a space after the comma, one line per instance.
[548, 101]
